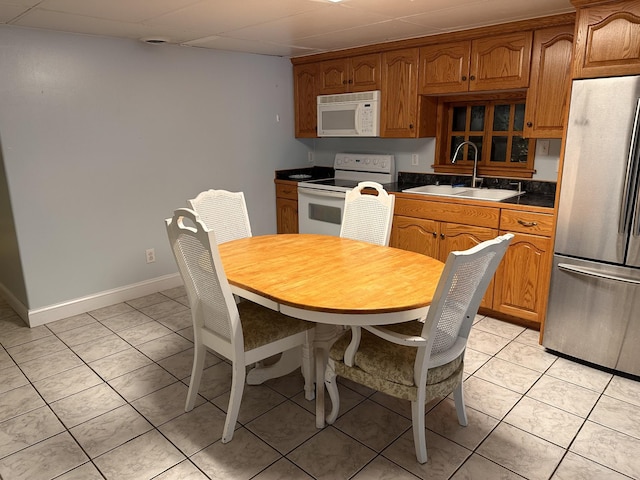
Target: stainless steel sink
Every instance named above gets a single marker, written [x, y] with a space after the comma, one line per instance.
[492, 194]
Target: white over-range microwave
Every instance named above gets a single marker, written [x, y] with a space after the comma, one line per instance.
[349, 114]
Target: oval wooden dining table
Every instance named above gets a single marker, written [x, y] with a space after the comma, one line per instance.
[332, 281]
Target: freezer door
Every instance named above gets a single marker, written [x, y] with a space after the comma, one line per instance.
[599, 133]
[592, 313]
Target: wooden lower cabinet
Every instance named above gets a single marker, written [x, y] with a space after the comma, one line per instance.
[438, 238]
[523, 277]
[520, 287]
[286, 207]
[522, 280]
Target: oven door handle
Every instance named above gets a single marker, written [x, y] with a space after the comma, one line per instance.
[320, 193]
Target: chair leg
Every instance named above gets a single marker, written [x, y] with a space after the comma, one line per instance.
[330, 381]
[308, 370]
[237, 388]
[419, 434]
[458, 397]
[199, 354]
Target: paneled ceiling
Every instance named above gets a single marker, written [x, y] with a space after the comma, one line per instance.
[288, 28]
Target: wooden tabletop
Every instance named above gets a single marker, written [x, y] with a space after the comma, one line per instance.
[331, 274]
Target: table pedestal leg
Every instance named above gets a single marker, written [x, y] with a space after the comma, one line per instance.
[288, 362]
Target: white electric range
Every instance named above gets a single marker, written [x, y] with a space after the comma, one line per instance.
[321, 202]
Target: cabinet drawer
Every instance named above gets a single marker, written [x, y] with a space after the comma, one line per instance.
[287, 190]
[448, 212]
[526, 222]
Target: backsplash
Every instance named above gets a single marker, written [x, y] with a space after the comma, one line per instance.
[410, 179]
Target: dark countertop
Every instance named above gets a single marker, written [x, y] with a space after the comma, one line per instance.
[538, 194]
[315, 173]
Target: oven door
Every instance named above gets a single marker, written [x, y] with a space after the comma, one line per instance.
[320, 211]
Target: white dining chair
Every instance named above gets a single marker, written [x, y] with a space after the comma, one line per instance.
[226, 213]
[368, 217]
[223, 211]
[242, 333]
[421, 360]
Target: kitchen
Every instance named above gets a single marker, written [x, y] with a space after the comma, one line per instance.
[92, 157]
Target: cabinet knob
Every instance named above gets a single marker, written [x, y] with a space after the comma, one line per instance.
[464, 78]
[442, 236]
[435, 234]
[350, 81]
[344, 82]
[411, 126]
[472, 77]
[529, 124]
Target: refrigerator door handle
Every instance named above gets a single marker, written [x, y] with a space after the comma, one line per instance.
[630, 181]
[595, 273]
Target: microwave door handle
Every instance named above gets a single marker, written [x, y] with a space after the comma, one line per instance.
[357, 114]
[630, 182]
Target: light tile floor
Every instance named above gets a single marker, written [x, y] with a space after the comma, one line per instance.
[101, 396]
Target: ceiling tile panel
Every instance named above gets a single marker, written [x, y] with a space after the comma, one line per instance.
[287, 30]
[224, 16]
[131, 11]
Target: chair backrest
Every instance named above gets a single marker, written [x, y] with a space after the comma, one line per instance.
[368, 217]
[213, 307]
[223, 211]
[463, 283]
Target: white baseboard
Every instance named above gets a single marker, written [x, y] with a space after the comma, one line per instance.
[51, 313]
[17, 305]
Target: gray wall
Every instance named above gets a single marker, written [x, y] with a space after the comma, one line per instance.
[102, 138]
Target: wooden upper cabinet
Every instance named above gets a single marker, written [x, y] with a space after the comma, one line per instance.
[547, 99]
[353, 74]
[445, 68]
[607, 39]
[493, 63]
[305, 79]
[399, 114]
[501, 62]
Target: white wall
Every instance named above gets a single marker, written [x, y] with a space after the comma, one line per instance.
[102, 138]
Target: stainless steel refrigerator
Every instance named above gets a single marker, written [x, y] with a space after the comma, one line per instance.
[594, 301]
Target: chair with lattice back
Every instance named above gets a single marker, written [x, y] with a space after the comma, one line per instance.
[243, 333]
[421, 360]
[223, 211]
[368, 217]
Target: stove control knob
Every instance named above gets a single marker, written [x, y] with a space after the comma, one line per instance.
[375, 161]
[367, 161]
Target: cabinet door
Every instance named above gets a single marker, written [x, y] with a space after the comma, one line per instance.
[608, 40]
[354, 74]
[365, 73]
[522, 279]
[444, 68]
[287, 215]
[334, 77]
[415, 234]
[399, 93]
[547, 98]
[500, 62]
[462, 237]
[305, 79]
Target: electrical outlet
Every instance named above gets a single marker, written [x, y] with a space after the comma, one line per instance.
[151, 255]
[543, 147]
[415, 159]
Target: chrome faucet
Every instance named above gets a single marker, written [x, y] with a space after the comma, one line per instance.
[475, 178]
